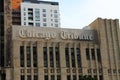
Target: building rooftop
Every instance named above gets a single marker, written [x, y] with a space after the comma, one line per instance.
[41, 2]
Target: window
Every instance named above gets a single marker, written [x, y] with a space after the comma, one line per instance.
[37, 18]
[30, 14]
[114, 71]
[78, 57]
[37, 15]
[98, 55]
[56, 25]
[28, 51]
[37, 11]
[30, 24]
[52, 77]
[94, 70]
[24, 13]
[93, 54]
[44, 15]
[80, 77]
[35, 56]
[44, 10]
[58, 70]
[57, 57]
[44, 24]
[56, 16]
[22, 77]
[67, 57]
[72, 57]
[28, 70]
[30, 18]
[74, 77]
[24, 9]
[24, 23]
[58, 77]
[44, 19]
[45, 77]
[51, 24]
[45, 56]
[89, 70]
[35, 77]
[95, 77]
[51, 10]
[87, 54]
[24, 18]
[100, 77]
[22, 56]
[28, 77]
[2, 55]
[118, 70]
[56, 20]
[52, 70]
[37, 24]
[51, 15]
[30, 9]
[55, 11]
[51, 57]
[45, 71]
[68, 77]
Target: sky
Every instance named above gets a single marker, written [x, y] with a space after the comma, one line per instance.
[80, 13]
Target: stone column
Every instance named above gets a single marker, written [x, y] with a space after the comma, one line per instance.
[54, 58]
[9, 75]
[84, 62]
[25, 59]
[40, 60]
[62, 61]
[32, 68]
[16, 61]
[96, 61]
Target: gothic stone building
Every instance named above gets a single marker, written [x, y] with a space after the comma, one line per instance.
[44, 53]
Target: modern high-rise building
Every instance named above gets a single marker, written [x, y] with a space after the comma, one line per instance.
[50, 53]
[36, 13]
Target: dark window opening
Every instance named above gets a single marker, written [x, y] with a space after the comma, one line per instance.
[28, 77]
[22, 56]
[93, 54]
[72, 57]
[35, 56]
[78, 57]
[98, 55]
[45, 56]
[52, 77]
[45, 77]
[22, 77]
[35, 77]
[74, 77]
[67, 57]
[68, 77]
[57, 57]
[87, 54]
[28, 51]
[58, 77]
[51, 57]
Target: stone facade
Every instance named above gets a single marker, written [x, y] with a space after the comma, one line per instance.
[40, 53]
[34, 53]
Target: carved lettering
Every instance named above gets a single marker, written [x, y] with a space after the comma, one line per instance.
[26, 33]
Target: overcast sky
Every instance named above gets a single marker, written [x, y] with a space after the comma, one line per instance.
[80, 13]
